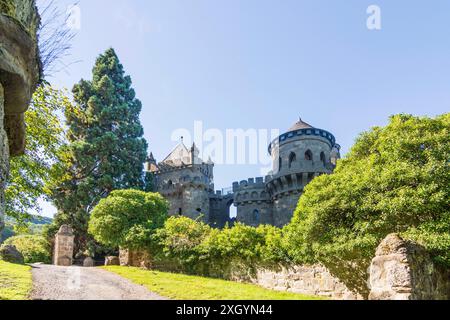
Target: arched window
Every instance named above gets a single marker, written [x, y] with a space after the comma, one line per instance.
[322, 158]
[180, 212]
[280, 163]
[292, 159]
[256, 216]
[308, 155]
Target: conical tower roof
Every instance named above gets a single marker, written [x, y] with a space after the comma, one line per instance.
[300, 124]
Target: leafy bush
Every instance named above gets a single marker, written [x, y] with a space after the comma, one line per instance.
[199, 249]
[395, 179]
[34, 248]
[128, 218]
[181, 237]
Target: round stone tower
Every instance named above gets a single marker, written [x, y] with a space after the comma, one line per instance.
[298, 155]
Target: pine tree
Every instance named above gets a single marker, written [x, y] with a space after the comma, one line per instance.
[106, 149]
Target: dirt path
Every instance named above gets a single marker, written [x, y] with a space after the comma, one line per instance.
[77, 283]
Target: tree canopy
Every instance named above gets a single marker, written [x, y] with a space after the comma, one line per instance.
[128, 218]
[30, 172]
[106, 149]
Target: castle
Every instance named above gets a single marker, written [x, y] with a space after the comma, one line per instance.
[298, 155]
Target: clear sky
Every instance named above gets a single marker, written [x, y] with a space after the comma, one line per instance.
[263, 64]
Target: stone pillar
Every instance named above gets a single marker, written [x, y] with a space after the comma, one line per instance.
[63, 252]
[402, 270]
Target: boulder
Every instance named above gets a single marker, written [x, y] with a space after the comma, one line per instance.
[9, 253]
[88, 262]
[112, 261]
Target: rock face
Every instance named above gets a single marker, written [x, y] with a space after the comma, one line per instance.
[63, 251]
[9, 253]
[20, 71]
[402, 270]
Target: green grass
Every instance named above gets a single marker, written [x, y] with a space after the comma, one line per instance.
[15, 281]
[184, 287]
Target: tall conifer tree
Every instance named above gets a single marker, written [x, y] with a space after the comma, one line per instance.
[106, 148]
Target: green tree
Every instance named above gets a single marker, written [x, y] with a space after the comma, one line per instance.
[107, 149]
[395, 179]
[34, 248]
[30, 172]
[128, 218]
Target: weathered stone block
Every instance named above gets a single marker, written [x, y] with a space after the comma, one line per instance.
[88, 262]
[402, 270]
[112, 261]
[64, 245]
[9, 253]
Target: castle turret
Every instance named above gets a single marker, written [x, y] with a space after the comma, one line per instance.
[298, 155]
[150, 165]
[186, 182]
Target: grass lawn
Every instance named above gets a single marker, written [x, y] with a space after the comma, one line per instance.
[15, 281]
[184, 287]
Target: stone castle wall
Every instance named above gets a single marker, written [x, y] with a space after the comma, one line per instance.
[310, 280]
[187, 190]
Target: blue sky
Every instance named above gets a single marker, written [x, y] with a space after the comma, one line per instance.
[262, 64]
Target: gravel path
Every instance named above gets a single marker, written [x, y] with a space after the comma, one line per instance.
[77, 283]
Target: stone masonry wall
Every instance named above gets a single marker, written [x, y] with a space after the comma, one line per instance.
[311, 280]
[402, 270]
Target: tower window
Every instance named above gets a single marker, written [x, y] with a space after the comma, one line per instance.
[280, 163]
[292, 159]
[322, 158]
[308, 155]
[256, 216]
[180, 212]
[199, 210]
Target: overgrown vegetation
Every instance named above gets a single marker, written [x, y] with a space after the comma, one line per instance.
[34, 248]
[15, 281]
[199, 288]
